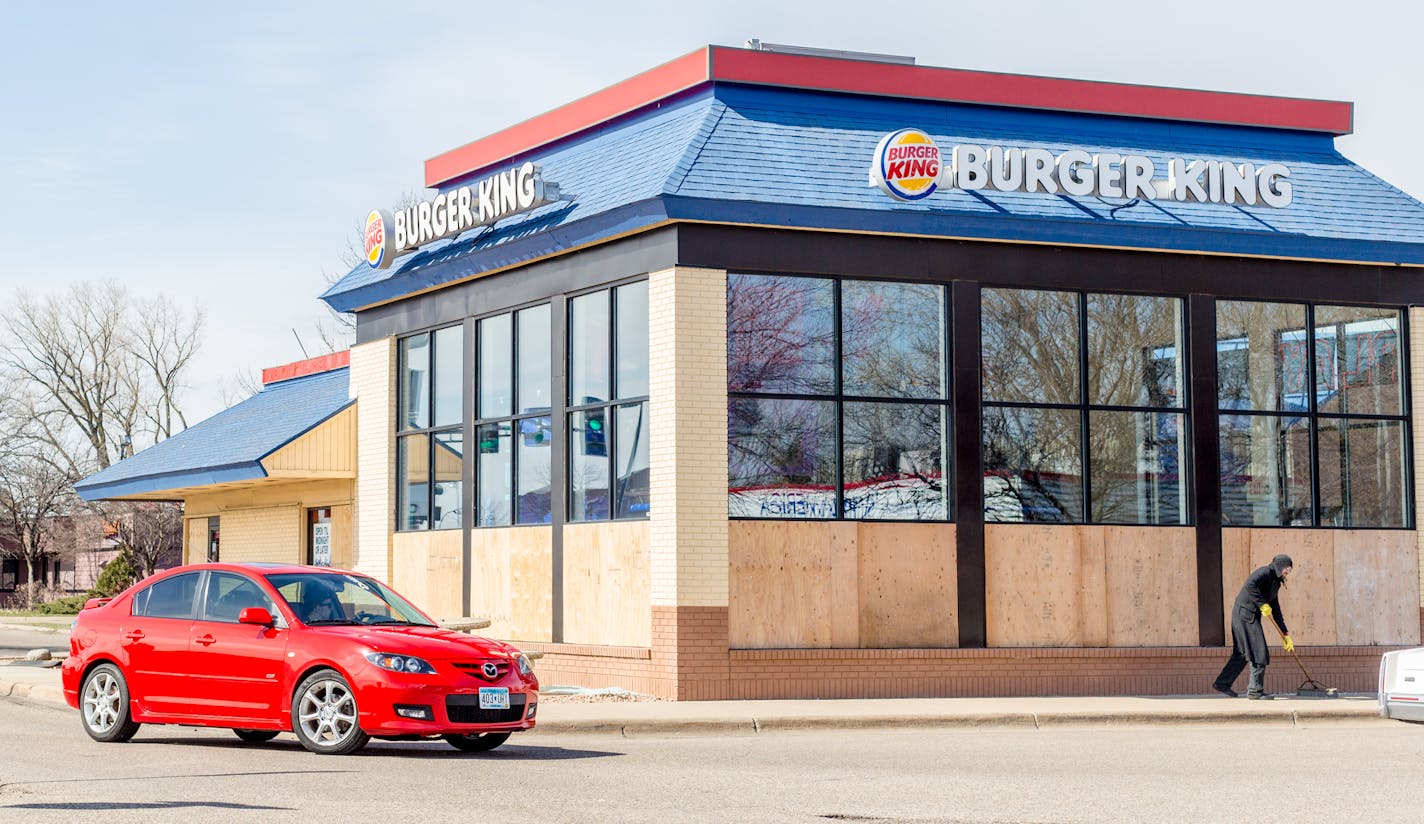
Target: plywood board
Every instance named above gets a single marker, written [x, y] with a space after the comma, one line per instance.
[511, 577]
[1376, 587]
[446, 574]
[907, 591]
[1151, 586]
[195, 541]
[793, 584]
[342, 537]
[1044, 585]
[607, 584]
[1308, 599]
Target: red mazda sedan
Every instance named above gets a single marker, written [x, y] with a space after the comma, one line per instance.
[335, 657]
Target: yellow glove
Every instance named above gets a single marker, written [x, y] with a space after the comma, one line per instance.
[1288, 644]
[1266, 610]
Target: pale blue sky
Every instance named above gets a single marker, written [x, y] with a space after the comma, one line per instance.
[223, 154]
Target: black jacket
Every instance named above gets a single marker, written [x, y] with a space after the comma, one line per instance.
[1262, 587]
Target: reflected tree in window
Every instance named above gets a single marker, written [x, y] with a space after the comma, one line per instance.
[780, 334]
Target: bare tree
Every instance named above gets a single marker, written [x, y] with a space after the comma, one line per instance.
[35, 494]
[338, 331]
[98, 370]
[151, 534]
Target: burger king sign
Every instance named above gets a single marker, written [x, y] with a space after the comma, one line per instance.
[906, 165]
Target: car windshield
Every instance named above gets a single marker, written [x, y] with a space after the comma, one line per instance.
[325, 598]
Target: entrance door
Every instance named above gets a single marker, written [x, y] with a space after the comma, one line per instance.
[319, 536]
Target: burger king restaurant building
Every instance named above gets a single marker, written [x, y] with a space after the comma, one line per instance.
[771, 375]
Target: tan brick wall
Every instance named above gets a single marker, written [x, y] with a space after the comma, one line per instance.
[272, 534]
[687, 340]
[373, 386]
[1416, 392]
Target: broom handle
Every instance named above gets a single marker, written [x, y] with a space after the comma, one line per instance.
[1292, 652]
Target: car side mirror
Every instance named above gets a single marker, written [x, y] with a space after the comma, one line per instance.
[256, 615]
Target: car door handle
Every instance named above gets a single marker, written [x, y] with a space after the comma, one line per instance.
[135, 635]
[205, 639]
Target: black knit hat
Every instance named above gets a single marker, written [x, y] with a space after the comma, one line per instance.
[1280, 563]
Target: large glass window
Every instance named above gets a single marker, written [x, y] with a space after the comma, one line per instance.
[513, 480]
[1313, 422]
[838, 402]
[429, 449]
[1084, 414]
[607, 421]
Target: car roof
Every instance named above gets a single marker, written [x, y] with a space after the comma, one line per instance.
[261, 568]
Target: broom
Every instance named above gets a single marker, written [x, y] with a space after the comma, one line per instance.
[1309, 688]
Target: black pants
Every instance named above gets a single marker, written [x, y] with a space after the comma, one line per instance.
[1248, 646]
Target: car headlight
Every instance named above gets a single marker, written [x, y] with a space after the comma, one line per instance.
[400, 663]
[524, 668]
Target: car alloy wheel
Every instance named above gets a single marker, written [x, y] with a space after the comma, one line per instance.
[104, 705]
[324, 715]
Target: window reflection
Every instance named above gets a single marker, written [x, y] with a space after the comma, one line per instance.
[494, 469]
[1260, 356]
[1362, 479]
[1357, 363]
[1029, 345]
[894, 464]
[1033, 465]
[536, 478]
[1134, 350]
[588, 349]
[780, 334]
[496, 366]
[449, 450]
[781, 458]
[892, 339]
[415, 381]
[1265, 470]
[1135, 468]
[588, 465]
[413, 482]
[449, 376]
[632, 443]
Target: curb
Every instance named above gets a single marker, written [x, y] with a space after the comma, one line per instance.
[631, 728]
[39, 695]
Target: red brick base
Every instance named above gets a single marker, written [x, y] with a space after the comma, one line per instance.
[703, 672]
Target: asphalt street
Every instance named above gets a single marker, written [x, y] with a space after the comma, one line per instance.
[14, 643]
[1333, 771]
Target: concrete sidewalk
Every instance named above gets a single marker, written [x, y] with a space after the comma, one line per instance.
[41, 687]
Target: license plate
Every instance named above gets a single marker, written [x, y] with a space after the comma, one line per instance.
[494, 698]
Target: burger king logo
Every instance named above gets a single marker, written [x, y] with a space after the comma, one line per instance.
[906, 165]
[377, 239]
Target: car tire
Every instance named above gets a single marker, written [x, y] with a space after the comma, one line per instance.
[477, 742]
[256, 736]
[324, 715]
[104, 705]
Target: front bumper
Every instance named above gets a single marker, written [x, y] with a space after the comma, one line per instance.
[378, 702]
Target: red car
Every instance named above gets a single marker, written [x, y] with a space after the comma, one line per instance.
[335, 657]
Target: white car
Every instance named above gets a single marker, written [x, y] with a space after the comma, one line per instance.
[1401, 685]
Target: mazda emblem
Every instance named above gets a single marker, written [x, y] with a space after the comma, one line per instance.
[490, 669]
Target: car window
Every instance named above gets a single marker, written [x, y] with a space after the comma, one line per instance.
[169, 598]
[330, 598]
[228, 594]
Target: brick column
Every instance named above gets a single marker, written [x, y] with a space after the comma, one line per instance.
[687, 342]
[373, 387]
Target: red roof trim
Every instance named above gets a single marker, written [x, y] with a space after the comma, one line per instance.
[1088, 96]
[718, 63]
[634, 93]
[310, 366]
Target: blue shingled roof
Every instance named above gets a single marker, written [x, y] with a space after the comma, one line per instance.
[230, 445]
[783, 157]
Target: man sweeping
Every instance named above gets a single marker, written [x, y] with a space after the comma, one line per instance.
[1256, 601]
